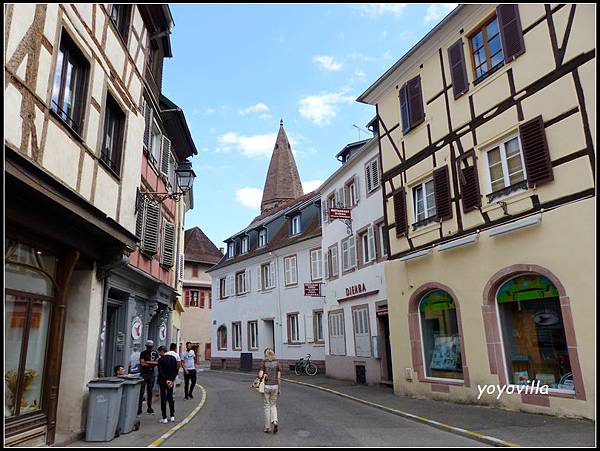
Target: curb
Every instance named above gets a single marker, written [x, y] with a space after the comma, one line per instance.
[159, 441]
[436, 424]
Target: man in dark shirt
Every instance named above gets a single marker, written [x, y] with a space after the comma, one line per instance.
[167, 372]
[148, 360]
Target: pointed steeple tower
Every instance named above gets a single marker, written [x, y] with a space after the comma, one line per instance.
[283, 182]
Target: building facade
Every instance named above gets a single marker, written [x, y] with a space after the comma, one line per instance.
[487, 144]
[74, 128]
[258, 286]
[200, 254]
[356, 331]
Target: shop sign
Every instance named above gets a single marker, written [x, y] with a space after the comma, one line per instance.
[356, 289]
[162, 332]
[136, 328]
[526, 288]
[436, 300]
[312, 289]
[340, 213]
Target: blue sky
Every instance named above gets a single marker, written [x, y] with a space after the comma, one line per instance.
[237, 69]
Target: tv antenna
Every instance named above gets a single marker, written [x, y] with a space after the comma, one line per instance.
[359, 130]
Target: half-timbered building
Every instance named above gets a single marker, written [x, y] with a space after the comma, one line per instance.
[487, 143]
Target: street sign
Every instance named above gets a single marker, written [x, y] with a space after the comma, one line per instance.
[312, 289]
[340, 213]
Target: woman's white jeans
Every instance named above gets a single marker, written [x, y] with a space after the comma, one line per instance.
[270, 400]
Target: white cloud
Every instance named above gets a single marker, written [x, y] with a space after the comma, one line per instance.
[320, 109]
[255, 109]
[255, 146]
[360, 57]
[360, 75]
[311, 185]
[374, 10]
[249, 197]
[327, 63]
[438, 10]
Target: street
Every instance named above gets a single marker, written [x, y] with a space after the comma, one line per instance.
[233, 416]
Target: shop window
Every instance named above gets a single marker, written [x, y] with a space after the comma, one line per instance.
[441, 338]
[222, 338]
[533, 333]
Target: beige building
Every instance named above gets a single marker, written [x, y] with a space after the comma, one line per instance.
[200, 255]
[487, 142]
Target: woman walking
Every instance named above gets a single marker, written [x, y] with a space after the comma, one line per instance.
[272, 376]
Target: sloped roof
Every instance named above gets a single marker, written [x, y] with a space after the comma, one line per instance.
[199, 248]
[283, 181]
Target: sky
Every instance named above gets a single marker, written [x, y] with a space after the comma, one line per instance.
[238, 69]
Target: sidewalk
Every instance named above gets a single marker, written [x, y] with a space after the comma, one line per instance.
[524, 429]
[150, 428]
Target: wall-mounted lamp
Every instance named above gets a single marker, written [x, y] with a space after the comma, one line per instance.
[184, 175]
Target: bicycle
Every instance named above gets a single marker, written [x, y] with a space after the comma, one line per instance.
[305, 366]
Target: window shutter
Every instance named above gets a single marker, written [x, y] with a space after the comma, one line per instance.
[140, 219]
[415, 102]
[535, 152]
[443, 198]
[458, 68]
[369, 177]
[272, 275]
[400, 216]
[259, 274]
[326, 264]
[357, 188]
[165, 153]
[301, 328]
[310, 328]
[371, 241]
[511, 33]
[148, 116]
[404, 113]
[247, 282]
[167, 252]
[151, 229]
[375, 172]
[352, 251]
[181, 268]
[339, 198]
[471, 197]
[187, 298]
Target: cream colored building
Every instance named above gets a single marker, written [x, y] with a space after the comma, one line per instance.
[487, 141]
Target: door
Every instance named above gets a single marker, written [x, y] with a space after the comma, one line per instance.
[196, 349]
[207, 351]
[269, 336]
[110, 338]
[386, 361]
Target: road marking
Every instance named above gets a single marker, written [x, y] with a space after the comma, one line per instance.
[159, 441]
[436, 424]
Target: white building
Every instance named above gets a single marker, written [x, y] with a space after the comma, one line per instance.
[358, 346]
[258, 286]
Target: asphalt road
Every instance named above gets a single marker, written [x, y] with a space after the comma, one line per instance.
[233, 416]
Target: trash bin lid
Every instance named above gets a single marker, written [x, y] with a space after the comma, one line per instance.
[131, 380]
[105, 382]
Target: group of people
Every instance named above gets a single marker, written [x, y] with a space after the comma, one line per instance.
[168, 364]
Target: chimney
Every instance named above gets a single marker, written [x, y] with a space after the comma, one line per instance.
[222, 250]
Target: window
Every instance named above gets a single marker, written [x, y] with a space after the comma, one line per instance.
[293, 328]
[240, 282]
[318, 326]
[316, 264]
[337, 340]
[267, 276]
[368, 245]
[222, 338]
[253, 335]
[295, 221]
[290, 270]
[167, 251]
[222, 288]
[155, 143]
[194, 271]
[441, 338]
[262, 238]
[230, 250]
[372, 174]
[237, 336]
[244, 245]
[383, 238]
[424, 197]
[112, 143]
[348, 253]
[533, 332]
[332, 261]
[351, 195]
[194, 298]
[486, 49]
[120, 15]
[202, 298]
[362, 337]
[506, 168]
[69, 91]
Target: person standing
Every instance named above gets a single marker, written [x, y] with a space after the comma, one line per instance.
[119, 370]
[148, 361]
[189, 370]
[167, 372]
[271, 373]
[174, 353]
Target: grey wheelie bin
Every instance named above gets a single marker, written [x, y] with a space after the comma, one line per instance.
[104, 405]
[128, 420]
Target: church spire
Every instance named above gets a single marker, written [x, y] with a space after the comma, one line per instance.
[283, 182]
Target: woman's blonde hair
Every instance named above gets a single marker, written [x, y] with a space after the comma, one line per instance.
[270, 355]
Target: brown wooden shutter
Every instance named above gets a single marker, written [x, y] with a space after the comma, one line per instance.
[187, 298]
[458, 68]
[443, 198]
[471, 196]
[509, 23]
[400, 215]
[167, 251]
[148, 114]
[404, 112]
[415, 102]
[151, 229]
[538, 165]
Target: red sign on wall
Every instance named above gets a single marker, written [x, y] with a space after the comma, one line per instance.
[312, 289]
[340, 213]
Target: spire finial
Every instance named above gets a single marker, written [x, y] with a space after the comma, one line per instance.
[281, 122]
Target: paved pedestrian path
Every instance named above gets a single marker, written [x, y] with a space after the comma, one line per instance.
[524, 429]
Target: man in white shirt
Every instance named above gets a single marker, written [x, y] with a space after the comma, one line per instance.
[189, 370]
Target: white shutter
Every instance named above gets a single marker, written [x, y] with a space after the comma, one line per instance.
[335, 262]
[301, 328]
[356, 188]
[352, 252]
[294, 261]
[375, 172]
[339, 198]
[272, 275]
[369, 177]
[247, 278]
[284, 329]
[371, 241]
[361, 333]
[181, 268]
[326, 265]
[310, 326]
[323, 211]
[151, 229]
[314, 271]
[165, 155]
[259, 285]
[231, 285]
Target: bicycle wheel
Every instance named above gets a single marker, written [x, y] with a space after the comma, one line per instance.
[311, 369]
[298, 368]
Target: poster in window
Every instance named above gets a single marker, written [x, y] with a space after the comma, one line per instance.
[446, 353]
